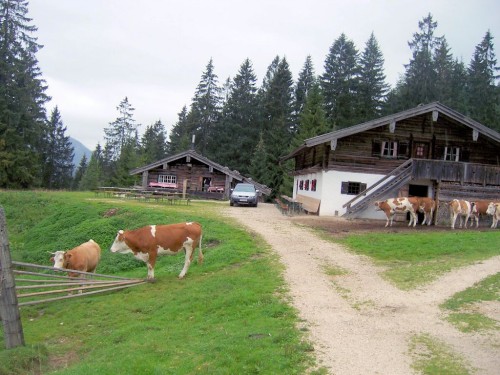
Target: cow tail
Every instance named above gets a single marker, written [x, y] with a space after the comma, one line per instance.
[200, 252]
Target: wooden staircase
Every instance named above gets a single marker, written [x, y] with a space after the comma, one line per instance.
[401, 176]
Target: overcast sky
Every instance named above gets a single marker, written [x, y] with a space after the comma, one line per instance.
[97, 52]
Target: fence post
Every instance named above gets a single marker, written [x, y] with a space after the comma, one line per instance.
[9, 309]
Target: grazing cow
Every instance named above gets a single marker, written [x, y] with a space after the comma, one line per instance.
[84, 257]
[427, 206]
[494, 210]
[479, 208]
[403, 204]
[148, 242]
[460, 208]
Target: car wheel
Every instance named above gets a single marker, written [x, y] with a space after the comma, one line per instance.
[231, 204]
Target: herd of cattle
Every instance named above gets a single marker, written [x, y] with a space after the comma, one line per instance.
[145, 244]
[458, 209]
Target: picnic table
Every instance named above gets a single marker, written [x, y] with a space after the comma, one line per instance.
[294, 206]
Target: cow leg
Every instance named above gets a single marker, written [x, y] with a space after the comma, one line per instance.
[453, 220]
[188, 246]
[200, 253]
[495, 222]
[466, 220]
[150, 262]
[390, 219]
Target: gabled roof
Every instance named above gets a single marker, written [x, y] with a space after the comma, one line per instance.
[419, 110]
[194, 155]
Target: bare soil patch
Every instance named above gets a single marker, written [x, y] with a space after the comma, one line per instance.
[357, 322]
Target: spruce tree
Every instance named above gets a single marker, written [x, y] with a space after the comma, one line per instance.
[278, 123]
[340, 83]
[120, 131]
[93, 177]
[180, 134]
[305, 82]
[22, 98]
[154, 143]
[312, 121]
[205, 109]
[80, 172]
[58, 156]
[421, 75]
[483, 92]
[372, 81]
[238, 128]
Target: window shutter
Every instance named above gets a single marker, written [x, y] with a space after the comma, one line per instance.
[362, 187]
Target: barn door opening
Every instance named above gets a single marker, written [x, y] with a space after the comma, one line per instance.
[418, 191]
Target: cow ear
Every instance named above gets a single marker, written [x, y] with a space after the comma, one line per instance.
[51, 259]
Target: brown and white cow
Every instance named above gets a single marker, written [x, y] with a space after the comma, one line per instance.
[84, 257]
[427, 206]
[494, 210]
[402, 204]
[462, 208]
[479, 208]
[148, 242]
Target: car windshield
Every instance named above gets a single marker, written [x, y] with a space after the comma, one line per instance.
[245, 188]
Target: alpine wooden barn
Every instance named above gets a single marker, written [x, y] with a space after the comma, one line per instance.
[194, 174]
[428, 151]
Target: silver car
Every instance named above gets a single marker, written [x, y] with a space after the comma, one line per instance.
[244, 194]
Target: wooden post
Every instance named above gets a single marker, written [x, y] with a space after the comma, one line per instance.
[184, 187]
[9, 309]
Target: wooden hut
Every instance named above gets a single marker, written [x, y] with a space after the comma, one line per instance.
[192, 172]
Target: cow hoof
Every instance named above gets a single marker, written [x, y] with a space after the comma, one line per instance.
[152, 281]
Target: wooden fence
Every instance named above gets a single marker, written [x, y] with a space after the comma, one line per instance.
[38, 287]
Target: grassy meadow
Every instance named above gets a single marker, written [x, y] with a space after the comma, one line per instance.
[228, 316]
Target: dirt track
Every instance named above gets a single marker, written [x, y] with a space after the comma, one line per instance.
[357, 322]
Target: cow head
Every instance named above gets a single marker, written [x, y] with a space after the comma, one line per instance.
[377, 205]
[58, 259]
[119, 245]
[492, 207]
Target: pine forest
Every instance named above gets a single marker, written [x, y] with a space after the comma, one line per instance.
[244, 123]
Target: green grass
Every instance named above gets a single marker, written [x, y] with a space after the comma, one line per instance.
[227, 316]
[414, 259]
[431, 356]
[459, 307]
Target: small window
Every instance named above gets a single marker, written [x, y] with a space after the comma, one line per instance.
[451, 153]
[352, 188]
[389, 149]
[403, 149]
[167, 178]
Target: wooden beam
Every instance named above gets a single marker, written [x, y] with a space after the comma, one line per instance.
[9, 307]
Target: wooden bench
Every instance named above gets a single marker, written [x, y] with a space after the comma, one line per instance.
[309, 204]
[281, 206]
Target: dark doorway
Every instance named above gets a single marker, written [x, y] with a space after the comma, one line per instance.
[418, 191]
[207, 181]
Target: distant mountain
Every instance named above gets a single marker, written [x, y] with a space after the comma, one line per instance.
[80, 150]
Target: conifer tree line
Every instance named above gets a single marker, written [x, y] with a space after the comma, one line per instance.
[237, 123]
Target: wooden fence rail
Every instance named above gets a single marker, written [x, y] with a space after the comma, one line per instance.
[45, 285]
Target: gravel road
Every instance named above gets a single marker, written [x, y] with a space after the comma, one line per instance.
[357, 322]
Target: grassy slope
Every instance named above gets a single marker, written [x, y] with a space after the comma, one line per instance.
[228, 316]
